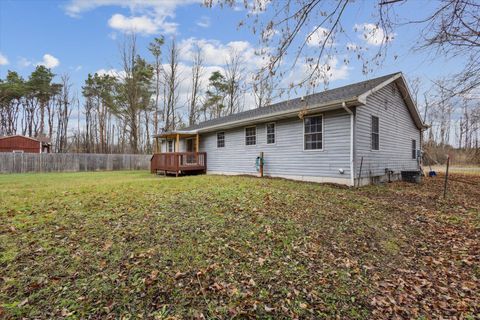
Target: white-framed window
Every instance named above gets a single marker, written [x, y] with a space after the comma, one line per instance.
[250, 136]
[271, 133]
[170, 146]
[414, 149]
[313, 133]
[375, 131]
[220, 139]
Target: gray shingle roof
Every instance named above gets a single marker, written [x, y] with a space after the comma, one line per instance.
[348, 92]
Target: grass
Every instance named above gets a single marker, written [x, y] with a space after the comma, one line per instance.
[133, 245]
[457, 169]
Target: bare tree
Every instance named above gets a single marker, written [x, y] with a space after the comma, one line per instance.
[196, 84]
[452, 28]
[172, 83]
[64, 110]
[263, 90]
[234, 76]
[133, 91]
[155, 48]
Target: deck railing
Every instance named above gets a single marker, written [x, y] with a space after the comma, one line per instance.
[178, 162]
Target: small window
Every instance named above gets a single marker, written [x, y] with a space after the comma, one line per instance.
[270, 133]
[313, 136]
[414, 149]
[251, 136]
[170, 146]
[375, 133]
[220, 139]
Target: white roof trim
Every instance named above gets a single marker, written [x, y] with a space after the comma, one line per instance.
[176, 132]
[279, 115]
[363, 97]
[407, 97]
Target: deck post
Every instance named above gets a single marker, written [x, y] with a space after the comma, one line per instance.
[197, 143]
[177, 143]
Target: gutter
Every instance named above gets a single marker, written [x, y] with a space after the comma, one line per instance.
[352, 122]
[281, 114]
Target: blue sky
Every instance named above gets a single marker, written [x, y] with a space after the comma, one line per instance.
[83, 36]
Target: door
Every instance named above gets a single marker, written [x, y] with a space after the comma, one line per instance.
[190, 148]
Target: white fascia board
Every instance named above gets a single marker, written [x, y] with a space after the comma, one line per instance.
[160, 135]
[407, 97]
[280, 115]
[363, 97]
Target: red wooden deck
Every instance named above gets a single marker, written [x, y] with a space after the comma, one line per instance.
[179, 162]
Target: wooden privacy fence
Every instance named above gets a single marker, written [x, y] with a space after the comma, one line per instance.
[71, 162]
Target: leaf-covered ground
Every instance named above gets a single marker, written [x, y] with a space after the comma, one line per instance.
[132, 245]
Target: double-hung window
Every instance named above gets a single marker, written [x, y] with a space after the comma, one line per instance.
[313, 133]
[170, 146]
[220, 139]
[271, 133]
[375, 133]
[414, 149]
[250, 136]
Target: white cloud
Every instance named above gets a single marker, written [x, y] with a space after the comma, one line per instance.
[318, 36]
[204, 22]
[372, 34]
[216, 53]
[24, 62]
[3, 60]
[143, 24]
[49, 61]
[147, 16]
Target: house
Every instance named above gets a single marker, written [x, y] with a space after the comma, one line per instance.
[358, 134]
[21, 144]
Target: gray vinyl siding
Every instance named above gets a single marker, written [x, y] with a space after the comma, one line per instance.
[397, 130]
[287, 156]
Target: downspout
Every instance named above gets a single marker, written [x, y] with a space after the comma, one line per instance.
[352, 174]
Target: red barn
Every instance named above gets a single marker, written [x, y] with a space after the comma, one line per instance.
[25, 144]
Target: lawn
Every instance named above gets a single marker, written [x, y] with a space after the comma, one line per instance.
[132, 245]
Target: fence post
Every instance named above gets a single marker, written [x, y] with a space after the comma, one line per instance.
[446, 179]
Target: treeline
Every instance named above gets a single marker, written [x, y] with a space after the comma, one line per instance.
[36, 106]
[120, 111]
[454, 121]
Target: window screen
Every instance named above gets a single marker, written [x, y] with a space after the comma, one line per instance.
[270, 133]
[375, 133]
[220, 139]
[414, 149]
[251, 136]
[313, 133]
